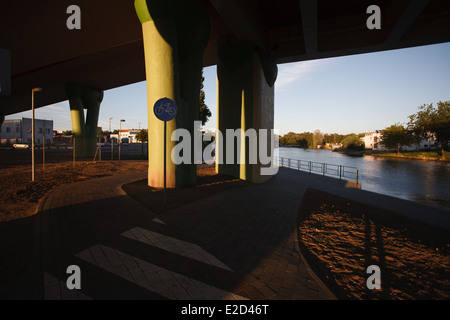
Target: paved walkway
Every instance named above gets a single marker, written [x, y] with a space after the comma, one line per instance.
[237, 244]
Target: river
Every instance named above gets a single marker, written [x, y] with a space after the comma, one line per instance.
[422, 181]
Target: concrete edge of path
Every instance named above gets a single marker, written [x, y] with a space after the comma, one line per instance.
[322, 285]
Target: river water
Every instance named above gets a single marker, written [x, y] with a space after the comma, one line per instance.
[422, 181]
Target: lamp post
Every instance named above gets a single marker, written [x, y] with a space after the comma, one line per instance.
[110, 139]
[120, 131]
[32, 130]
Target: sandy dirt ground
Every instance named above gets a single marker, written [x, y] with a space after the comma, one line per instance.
[19, 196]
[341, 238]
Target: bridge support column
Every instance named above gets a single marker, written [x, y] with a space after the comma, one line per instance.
[175, 36]
[84, 132]
[246, 80]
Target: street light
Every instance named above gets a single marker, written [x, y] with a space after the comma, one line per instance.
[110, 139]
[120, 137]
[32, 130]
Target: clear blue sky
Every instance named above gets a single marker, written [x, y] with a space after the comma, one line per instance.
[338, 95]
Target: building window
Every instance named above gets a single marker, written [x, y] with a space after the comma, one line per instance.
[8, 129]
[48, 130]
[39, 130]
[17, 129]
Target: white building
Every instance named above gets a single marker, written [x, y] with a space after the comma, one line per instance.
[373, 141]
[127, 136]
[19, 131]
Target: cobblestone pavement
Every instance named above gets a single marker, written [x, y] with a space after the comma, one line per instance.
[237, 244]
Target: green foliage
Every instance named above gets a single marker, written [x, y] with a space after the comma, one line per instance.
[395, 136]
[100, 133]
[67, 133]
[142, 135]
[311, 140]
[421, 155]
[334, 137]
[302, 140]
[204, 112]
[318, 138]
[353, 142]
[431, 120]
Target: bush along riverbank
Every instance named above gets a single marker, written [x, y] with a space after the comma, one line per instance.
[416, 155]
[411, 155]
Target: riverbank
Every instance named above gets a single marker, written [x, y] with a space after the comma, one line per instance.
[408, 155]
[416, 155]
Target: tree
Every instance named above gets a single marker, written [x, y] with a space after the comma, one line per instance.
[333, 137]
[100, 133]
[302, 140]
[432, 121]
[142, 135]
[204, 112]
[67, 133]
[396, 136]
[353, 142]
[318, 138]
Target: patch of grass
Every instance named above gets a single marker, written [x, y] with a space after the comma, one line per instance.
[421, 155]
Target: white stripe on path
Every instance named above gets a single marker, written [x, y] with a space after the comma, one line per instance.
[183, 248]
[151, 277]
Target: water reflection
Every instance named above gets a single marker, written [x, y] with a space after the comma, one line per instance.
[422, 181]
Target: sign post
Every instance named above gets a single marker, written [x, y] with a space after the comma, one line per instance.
[165, 110]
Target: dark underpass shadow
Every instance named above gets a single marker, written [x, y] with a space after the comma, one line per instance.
[65, 232]
[208, 183]
[16, 248]
[54, 238]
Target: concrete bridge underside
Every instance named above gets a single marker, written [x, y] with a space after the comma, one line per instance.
[167, 42]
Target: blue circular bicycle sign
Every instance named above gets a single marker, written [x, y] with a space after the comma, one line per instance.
[165, 109]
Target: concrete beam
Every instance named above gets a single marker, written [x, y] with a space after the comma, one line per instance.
[242, 21]
[413, 11]
[309, 21]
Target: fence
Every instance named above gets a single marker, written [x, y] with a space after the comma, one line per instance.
[325, 169]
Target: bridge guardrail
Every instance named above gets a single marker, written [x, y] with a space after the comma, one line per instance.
[326, 169]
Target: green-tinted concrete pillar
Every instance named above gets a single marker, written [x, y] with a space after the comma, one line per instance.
[175, 36]
[84, 131]
[246, 80]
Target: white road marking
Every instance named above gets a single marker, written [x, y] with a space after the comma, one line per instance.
[157, 220]
[55, 289]
[183, 248]
[149, 276]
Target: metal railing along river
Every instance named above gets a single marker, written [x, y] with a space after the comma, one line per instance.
[325, 169]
